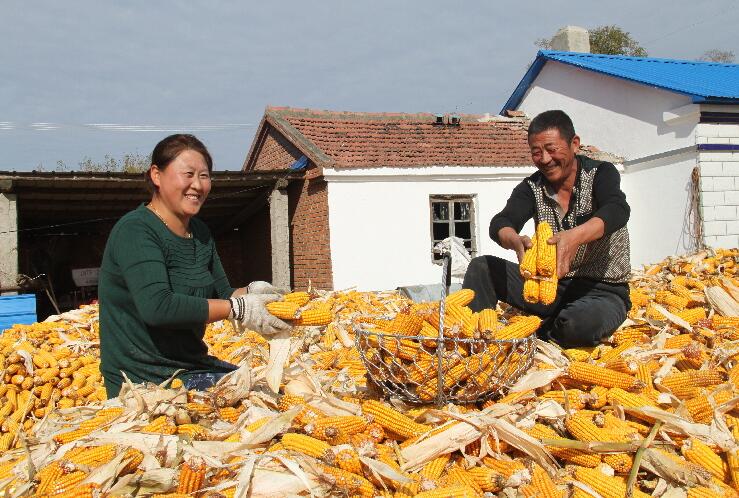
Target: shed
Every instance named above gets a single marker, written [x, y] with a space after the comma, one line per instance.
[54, 222]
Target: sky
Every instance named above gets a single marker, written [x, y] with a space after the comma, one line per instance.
[86, 79]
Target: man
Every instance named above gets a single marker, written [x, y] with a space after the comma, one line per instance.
[582, 200]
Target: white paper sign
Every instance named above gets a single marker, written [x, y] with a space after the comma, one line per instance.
[85, 277]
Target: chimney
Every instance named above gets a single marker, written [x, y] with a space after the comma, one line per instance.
[571, 39]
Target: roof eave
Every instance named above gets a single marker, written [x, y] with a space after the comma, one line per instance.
[517, 96]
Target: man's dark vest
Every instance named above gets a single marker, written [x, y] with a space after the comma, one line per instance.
[606, 259]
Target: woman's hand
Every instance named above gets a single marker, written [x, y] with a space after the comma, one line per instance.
[251, 311]
[510, 239]
[262, 287]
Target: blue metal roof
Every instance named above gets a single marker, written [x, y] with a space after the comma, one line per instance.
[704, 82]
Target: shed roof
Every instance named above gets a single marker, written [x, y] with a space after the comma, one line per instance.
[54, 200]
[363, 139]
[704, 82]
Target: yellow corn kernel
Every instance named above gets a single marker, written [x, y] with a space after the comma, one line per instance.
[329, 428]
[452, 491]
[487, 322]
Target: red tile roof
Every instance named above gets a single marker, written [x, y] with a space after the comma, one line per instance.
[356, 140]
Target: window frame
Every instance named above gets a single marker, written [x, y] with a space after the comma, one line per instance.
[450, 199]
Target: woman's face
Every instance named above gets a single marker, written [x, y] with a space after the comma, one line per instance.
[184, 184]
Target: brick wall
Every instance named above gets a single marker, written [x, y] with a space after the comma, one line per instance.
[719, 185]
[310, 249]
[276, 152]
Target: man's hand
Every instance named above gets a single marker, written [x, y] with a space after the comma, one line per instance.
[254, 314]
[510, 239]
[261, 287]
[567, 243]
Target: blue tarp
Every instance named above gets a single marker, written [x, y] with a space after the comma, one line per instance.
[17, 309]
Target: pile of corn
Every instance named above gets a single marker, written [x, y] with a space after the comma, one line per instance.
[653, 412]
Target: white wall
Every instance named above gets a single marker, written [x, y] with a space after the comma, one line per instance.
[613, 114]
[380, 221]
[658, 193]
[719, 186]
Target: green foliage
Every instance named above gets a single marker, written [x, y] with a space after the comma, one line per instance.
[610, 40]
[129, 163]
[613, 40]
[716, 55]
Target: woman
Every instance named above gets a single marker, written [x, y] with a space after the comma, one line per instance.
[161, 280]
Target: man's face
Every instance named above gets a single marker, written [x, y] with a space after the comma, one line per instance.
[553, 155]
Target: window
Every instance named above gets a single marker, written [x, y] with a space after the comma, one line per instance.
[452, 216]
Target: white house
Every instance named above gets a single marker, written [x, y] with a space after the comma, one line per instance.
[675, 123]
[380, 189]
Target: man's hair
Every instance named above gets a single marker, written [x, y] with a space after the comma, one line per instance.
[555, 119]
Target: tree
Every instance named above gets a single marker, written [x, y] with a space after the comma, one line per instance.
[716, 55]
[610, 40]
[129, 163]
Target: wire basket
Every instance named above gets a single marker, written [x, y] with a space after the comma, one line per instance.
[422, 369]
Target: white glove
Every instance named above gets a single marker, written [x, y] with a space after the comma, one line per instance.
[262, 287]
[250, 310]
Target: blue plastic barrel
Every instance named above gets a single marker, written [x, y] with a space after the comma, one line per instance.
[17, 309]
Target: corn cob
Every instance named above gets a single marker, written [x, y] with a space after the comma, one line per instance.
[543, 484]
[434, 468]
[160, 425]
[548, 290]
[314, 317]
[300, 298]
[306, 445]
[527, 266]
[133, 458]
[531, 290]
[462, 297]
[488, 479]
[488, 321]
[284, 310]
[347, 482]
[457, 474]
[684, 383]
[453, 491]
[697, 452]
[406, 324]
[393, 420]
[519, 329]
[599, 376]
[192, 476]
[330, 428]
[606, 486]
[669, 299]
[546, 255]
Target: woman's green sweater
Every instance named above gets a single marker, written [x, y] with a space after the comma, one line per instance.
[153, 293]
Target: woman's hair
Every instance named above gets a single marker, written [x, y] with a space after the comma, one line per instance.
[169, 148]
